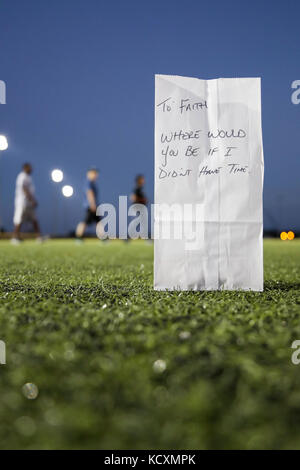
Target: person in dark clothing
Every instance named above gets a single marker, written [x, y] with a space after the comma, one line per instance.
[90, 202]
[138, 196]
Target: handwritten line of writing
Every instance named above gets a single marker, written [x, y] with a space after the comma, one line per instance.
[232, 168]
[184, 106]
[178, 136]
[191, 151]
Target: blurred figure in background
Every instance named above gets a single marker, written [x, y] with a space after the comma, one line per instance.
[138, 196]
[25, 204]
[90, 204]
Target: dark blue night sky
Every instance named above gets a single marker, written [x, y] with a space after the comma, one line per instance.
[80, 90]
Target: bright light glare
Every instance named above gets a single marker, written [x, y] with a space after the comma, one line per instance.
[3, 142]
[57, 176]
[67, 191]
[283, 236]
[291, 235]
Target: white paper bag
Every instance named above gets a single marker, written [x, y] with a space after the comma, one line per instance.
[208, 184]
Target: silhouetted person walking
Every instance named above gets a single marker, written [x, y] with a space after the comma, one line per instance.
[25, 203]
[90, 204]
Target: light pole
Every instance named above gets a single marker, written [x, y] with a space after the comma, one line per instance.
[67, 192]
[3, 146]
[57, 176]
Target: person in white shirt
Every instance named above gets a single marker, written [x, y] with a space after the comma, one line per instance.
[25, 203]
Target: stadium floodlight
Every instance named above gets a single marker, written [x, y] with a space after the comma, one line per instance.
[57, 176]
[67, 191]
[3, 143]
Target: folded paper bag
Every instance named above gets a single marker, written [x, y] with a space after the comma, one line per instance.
[208, 184]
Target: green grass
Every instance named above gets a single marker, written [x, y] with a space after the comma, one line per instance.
[84, 324]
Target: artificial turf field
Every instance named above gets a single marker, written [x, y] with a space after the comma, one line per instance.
[84, 324]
